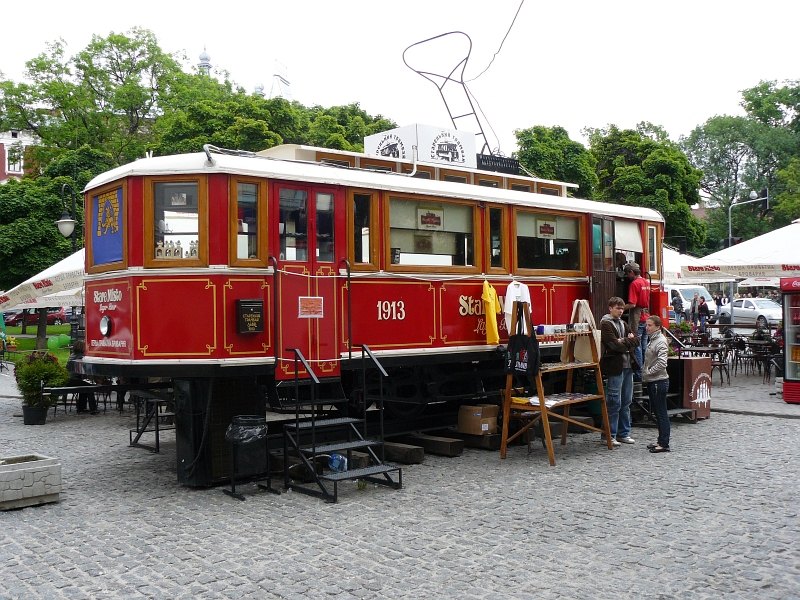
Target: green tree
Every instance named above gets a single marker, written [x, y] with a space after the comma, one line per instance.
[642, 167]
[107, 96]
[788, 207]
[548, 153]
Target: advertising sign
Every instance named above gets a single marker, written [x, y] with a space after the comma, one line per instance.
[435, 145]
[107, 234]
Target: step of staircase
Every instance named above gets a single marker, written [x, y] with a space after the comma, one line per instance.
[323, 423]
[325, 448]
[358, 473]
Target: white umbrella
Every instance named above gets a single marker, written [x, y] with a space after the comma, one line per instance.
[65, 275]
[773, 254]
[73, 297]
[673, 270]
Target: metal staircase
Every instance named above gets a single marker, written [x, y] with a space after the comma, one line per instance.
[315, 437]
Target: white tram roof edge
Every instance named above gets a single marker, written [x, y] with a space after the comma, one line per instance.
[322, 174]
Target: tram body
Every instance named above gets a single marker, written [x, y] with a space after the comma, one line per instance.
[216, 267]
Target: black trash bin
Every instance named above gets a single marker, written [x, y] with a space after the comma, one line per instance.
[247, 435]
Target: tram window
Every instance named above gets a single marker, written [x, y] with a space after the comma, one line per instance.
[549, 191]
[325, 227]
[652, 267]
[175, 219]
[293, 225]
[608, 245]
[247, 218]
[431, 234]
[455, 178]
[496, 235]
[488, 183]
[361, 227]
[547, 242]
[422, 175]
[518, 187]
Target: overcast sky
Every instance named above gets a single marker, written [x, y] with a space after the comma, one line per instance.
[575, 64]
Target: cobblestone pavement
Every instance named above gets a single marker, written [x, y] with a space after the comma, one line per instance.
[717, 517]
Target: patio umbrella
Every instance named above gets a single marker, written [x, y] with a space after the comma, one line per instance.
[66, 274]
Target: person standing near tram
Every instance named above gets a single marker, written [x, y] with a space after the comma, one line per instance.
[654, 374]
[638, 305]
[693, 309]
[677, 306]
[618, 363]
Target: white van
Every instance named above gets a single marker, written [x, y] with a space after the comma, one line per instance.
[687, 292]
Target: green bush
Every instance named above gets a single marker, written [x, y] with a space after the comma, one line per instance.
[35, 368]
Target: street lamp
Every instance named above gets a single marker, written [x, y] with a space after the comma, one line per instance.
[66, 225]
[754, 197]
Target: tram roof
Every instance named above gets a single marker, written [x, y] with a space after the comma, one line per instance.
[323, 174]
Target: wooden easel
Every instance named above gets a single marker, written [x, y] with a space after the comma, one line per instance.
[546, 405]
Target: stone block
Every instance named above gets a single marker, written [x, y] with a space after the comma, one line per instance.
[29, 480]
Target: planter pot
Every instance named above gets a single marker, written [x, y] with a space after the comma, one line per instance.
[34, 415]
[28, 481]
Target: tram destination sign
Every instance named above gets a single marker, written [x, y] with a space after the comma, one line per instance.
[250, 316]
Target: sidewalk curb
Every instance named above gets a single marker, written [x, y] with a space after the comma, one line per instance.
[753, 413]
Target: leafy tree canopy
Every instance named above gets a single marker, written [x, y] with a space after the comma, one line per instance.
[642, 167]
[740, 154]
[548, 152]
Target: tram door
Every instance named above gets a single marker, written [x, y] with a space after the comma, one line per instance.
[604, 276]
[307, 300]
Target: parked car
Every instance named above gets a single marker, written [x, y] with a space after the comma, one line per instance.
[55, 316]
[754, 311]
[9, 315]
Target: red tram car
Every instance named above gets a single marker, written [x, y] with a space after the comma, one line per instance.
[209, 269]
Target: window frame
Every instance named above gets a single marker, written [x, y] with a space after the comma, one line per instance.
[511, 181]
[420, 169]
[375, 229]
[477, 177]
[652, 258]
[453, 173]
[331, 156]
[150, 261]
[375, 164]
[262, 203]
[88, 240]
[487, 241]
[582, 241]
[548, 186]
[387, 240]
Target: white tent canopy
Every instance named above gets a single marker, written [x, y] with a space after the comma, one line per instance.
[774, 254]
[674, 262]
[66, 274]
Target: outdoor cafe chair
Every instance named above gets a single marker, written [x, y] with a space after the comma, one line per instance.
[743, 357]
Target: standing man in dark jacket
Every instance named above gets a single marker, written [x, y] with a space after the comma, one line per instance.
[617, 364]
[677, 306]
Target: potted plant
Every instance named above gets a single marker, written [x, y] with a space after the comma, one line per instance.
[37, 370]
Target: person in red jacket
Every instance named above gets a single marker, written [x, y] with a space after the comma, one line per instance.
[638, 306]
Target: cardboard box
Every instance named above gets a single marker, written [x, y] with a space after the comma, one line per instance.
[478, 420]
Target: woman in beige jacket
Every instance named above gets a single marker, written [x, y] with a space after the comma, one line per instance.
[654, 375]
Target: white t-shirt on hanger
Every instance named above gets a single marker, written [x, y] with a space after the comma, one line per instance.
[516, 292]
